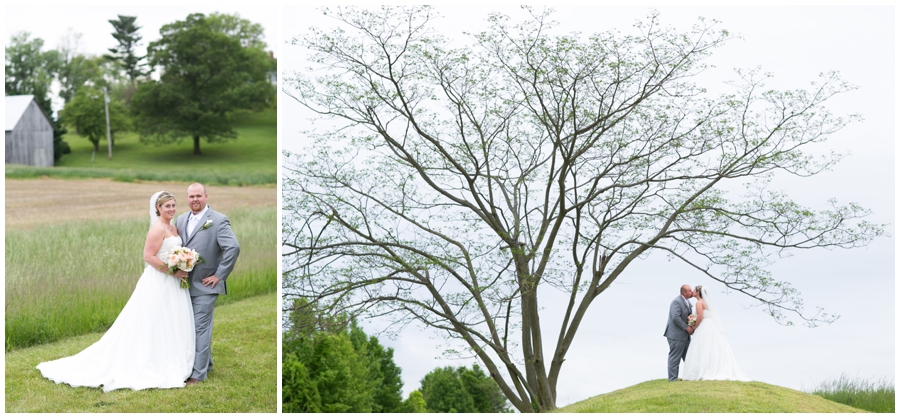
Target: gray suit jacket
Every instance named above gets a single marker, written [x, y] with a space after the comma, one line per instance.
[676, 327]
[216, 244]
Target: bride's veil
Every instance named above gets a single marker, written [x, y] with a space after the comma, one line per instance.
[710, 306]
[153, 199]
[709, 303]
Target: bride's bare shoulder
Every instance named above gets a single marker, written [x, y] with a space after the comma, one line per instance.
[157, 231]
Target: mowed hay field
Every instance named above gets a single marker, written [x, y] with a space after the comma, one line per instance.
[74, 250]
[41, 202]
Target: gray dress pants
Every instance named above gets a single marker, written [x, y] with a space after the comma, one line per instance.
[203, 324]
[677, 352]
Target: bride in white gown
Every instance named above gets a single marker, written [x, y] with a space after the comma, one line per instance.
[151, 343]
[709, 356]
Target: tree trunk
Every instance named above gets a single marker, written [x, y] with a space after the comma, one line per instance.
[197, 145]
[96, 145]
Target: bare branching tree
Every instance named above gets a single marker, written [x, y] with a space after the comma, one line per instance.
[461, 180]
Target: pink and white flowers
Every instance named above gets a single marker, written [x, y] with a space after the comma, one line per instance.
[184, 259]
[692, 319]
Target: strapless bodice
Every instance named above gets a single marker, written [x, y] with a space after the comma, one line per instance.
[167, 245]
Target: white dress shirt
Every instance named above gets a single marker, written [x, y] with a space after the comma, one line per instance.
[193, 219]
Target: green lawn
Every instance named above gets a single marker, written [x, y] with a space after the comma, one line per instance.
[251, 158]
[244, 379]
[661, 396]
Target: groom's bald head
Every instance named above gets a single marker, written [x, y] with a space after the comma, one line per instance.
[685, 291]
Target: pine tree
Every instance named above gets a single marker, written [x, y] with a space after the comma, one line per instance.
[125, 32]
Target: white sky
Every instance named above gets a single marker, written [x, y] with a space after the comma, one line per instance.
[52, 23]
[621, 342]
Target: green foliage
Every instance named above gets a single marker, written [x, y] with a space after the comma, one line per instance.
[382, 369]
[77, 69]
[125, 32]
[462, 390]
[206, 76]
[60, 147]
[443, 391]
[80, 70]
[29, 70]
[337, 371]
[415, 403]
[872, 396]
[249, 34]
[87, 114]
[299, 392]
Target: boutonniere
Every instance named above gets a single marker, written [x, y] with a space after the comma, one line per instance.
[206, 225]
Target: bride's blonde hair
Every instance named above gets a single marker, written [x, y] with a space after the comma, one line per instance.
[162, 199]
[699, 289]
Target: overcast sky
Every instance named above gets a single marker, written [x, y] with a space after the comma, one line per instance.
[621, 342]
[52, 23]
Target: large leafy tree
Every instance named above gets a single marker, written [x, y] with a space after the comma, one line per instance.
[125, 31]
[31, 70]
[462, 182]
[207, 75]
[72, 72]
[87, 114]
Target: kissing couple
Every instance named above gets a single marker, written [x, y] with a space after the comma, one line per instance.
[707, 356]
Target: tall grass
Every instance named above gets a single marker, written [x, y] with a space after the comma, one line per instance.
[70, 279]
[870, 395]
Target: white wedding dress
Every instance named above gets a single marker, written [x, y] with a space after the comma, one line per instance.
[709, 356]
[150, 345]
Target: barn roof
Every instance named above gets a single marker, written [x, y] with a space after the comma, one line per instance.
[15, 108]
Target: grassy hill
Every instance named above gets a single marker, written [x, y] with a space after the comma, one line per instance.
[244, 379]
[706, 396]
[250, 159]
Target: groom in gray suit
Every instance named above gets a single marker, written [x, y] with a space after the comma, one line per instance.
[209, 233]
[677, 330]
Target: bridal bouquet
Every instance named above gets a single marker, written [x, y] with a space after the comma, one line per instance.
[692, 319]
[182, 258]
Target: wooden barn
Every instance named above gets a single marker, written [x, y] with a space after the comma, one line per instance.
[29, 133]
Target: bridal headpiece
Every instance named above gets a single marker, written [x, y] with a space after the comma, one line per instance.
[154, 202]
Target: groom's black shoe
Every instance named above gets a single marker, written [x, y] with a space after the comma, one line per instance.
[191, 381]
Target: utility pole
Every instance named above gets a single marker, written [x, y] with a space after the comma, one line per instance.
[108, 135]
